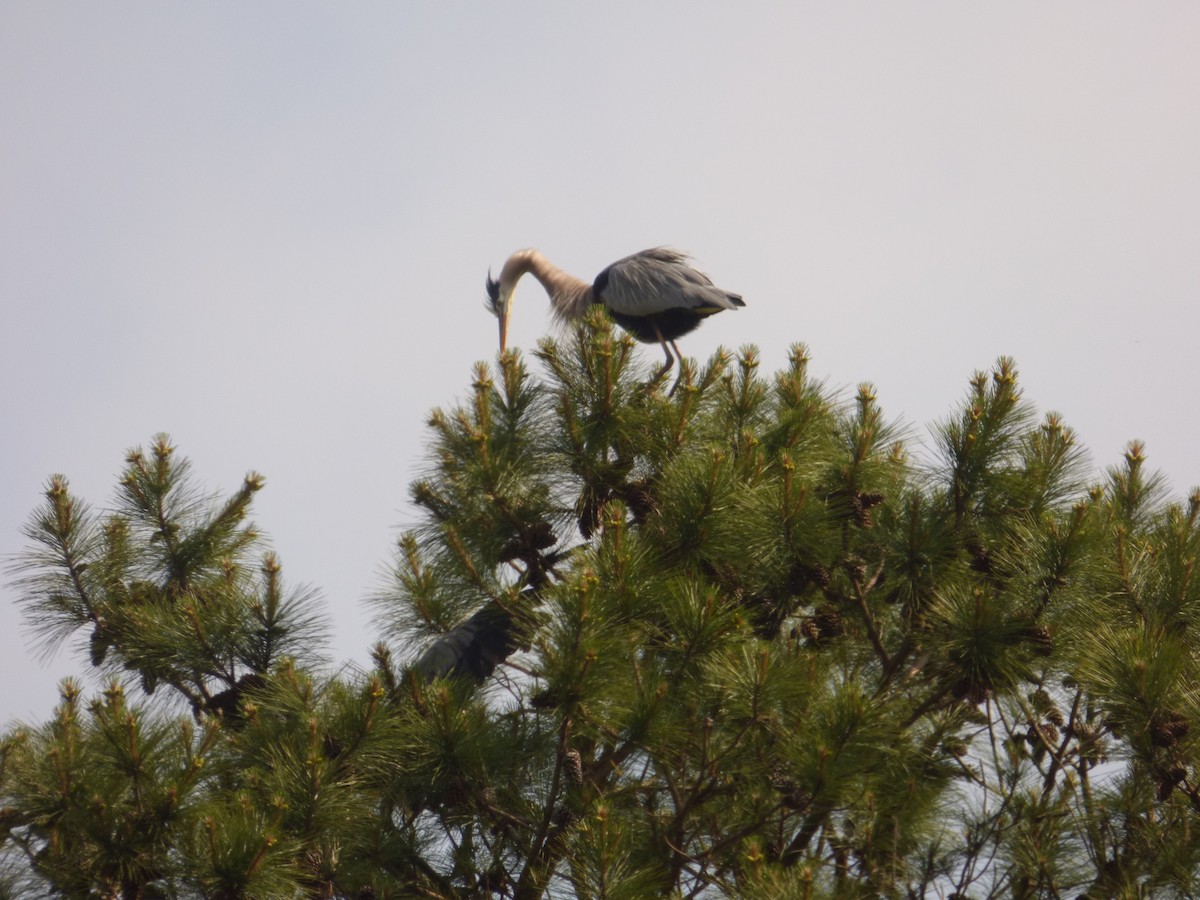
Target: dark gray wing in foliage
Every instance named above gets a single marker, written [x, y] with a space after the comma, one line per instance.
[473, 648]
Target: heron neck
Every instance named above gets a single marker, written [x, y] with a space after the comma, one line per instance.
[569, 297]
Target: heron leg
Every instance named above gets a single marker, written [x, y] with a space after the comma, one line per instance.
[678, 356]
[670, 359]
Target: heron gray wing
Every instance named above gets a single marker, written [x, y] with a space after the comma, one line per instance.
[472, 648]
[657, 280]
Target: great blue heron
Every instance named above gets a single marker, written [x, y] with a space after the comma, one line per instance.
[654, 295]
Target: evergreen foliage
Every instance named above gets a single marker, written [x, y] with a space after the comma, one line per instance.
[729, 641]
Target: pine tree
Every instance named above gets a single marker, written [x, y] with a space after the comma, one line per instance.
[735, 640]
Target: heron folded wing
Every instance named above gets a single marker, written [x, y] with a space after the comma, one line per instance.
[657, 280]
[473, 648]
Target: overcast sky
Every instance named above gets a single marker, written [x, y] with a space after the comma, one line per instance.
[264, 227]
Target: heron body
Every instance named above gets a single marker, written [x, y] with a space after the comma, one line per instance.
[655, 295]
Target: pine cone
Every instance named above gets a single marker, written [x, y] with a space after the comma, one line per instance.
[541, 536]
[564, 817]
[573, 767]
[528, 541]
[1039, 637]
[824, 625]
[789, 792]
[100, 644]
[968, 689]
[1167, 779]
[860, 506]
[1167, 728]
[805, 575]
[590, 511]
[856, 569]
[981, 560]
[332, 747]
[639, 497]
[871, 499]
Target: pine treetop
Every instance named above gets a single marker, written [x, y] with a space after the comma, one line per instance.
[734, 640]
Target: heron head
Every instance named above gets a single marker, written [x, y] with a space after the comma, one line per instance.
[499, 297]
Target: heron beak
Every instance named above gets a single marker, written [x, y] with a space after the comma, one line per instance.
[505, 310]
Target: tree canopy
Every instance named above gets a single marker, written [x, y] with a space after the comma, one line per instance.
[733, 640]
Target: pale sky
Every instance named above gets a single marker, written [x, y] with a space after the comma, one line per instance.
[264, 228]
